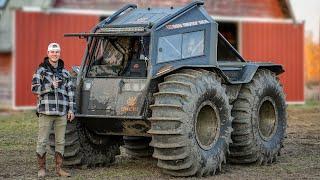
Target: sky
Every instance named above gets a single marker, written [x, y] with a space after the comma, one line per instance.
[308, 11]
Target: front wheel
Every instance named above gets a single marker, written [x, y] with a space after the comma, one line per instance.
[191, 123]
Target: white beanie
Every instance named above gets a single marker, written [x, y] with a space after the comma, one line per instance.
[54, 47]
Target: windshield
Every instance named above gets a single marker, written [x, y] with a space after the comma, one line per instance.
[118, 56]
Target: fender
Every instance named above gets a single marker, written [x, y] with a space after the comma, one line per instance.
[243, 73]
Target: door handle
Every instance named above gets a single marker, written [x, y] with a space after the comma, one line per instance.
[121, 84]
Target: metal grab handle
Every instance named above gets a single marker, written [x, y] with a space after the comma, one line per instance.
[121, 84]
[114, 15]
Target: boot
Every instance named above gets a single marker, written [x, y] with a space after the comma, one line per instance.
[42, 165]
[59, 170]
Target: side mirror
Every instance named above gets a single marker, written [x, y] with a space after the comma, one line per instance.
[75, 71]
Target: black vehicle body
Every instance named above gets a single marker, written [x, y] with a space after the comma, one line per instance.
[119, 105]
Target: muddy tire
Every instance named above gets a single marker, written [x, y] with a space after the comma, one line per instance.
[191, 123]
[136, 146]
[260, 120]
[83, 147]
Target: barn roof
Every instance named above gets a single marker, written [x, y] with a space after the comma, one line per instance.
[235, 8]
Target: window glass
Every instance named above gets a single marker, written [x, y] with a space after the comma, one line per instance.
[180, 46]
[106, 59]
[193, 44]
[224, 52]
[169, 48]
[114, 57]
[3, 4]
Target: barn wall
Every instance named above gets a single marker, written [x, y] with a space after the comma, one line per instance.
[5, 80]
[281, 44]
[33, 32]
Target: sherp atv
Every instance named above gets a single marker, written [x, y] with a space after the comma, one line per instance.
[164, 82]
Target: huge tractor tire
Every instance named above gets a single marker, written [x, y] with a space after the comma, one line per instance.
[137, 147]
[83, 147]
[260, 120]
[191, 123]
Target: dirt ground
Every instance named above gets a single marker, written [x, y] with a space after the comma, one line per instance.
[300, 158]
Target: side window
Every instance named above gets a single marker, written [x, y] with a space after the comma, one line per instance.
[193, 44]
[169, 48]
[224, 52]
[180, 46]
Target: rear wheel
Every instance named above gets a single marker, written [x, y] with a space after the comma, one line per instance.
[191, 123]
[260, 120]
[137, 146]
[83, 147]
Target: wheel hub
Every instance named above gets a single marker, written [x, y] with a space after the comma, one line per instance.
[207, 125]
[267, 118]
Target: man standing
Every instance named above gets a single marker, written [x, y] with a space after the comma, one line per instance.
[53, 86]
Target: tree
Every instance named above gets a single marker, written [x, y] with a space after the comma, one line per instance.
[312, 61]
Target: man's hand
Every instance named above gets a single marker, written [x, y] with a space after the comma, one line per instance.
[56, 84]
[70, 116]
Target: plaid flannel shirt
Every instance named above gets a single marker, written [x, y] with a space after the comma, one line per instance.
[53, 101]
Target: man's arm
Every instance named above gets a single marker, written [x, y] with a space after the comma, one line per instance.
[37, 86]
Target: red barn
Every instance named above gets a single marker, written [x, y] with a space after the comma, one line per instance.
[261, 31]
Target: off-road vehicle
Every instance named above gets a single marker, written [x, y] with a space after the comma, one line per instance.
[164, 82]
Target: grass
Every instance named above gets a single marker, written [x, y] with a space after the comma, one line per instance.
[18, 130]
[309, 104]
